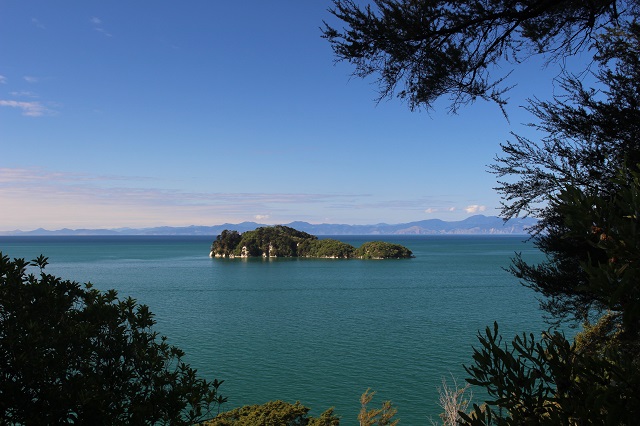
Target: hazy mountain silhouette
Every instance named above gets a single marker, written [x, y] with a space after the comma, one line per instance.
[478, 224]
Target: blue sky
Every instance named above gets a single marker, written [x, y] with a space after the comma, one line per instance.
[116, 114]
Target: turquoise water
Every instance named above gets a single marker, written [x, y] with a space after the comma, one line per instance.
[320, 331]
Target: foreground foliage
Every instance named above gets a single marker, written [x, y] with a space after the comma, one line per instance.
[424, 50]
[590, 231]
[454, 402]
[274, 413]
[382, 416]
[552, 382]
[72, 354]
[590, 150]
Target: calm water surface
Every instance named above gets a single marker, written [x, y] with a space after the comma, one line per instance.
[320, 331]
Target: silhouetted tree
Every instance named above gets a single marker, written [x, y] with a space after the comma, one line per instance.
[72, 354]
[590, 136]
[551, 382]
[422, 50]
[590, 232]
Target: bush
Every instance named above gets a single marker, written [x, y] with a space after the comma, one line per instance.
[72, 354]
[225, 243]
[274, 413]
[325, 248]
[382, 250]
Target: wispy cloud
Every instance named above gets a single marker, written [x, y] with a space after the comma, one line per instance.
[24, 94]
[36, 22]
[3, 79]
[37, 197]
[97, 25]
[432, 210]
[70, 198]
[416, 204]
[475, 209]
[29, 109]
[31, 79]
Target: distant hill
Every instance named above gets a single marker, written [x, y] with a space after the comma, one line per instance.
[474, 225]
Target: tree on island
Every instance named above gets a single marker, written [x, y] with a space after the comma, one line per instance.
[382, 250]
[227, 242]
[582, 180]
[284, 241]
[73, 354]
[325, 248]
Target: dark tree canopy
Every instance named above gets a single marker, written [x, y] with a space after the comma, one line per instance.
[422, 50]
[588, 133]
[611, 227]
[551, 382]
[73, 354]
[588, 168]
[590, 136]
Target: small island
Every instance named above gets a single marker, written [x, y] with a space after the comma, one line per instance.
[283, 241]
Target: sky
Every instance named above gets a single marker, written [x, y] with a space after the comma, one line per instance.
[203, 112]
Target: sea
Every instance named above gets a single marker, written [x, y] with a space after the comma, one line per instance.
[318, 331]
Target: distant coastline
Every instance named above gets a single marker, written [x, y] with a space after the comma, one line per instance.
[474, 225]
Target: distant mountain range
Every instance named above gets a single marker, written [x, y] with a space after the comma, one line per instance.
[479, 224]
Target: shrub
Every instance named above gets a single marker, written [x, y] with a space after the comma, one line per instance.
[382, 250]
[274, 413]
[72, 354]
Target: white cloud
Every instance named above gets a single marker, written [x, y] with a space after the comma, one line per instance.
[3, 79]
[97, 25]
[30, 109]
[262, 216]
[37, 23]
[103, 31]
[24, 94]
[31, 79]
[441, 210]
[475, 208]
